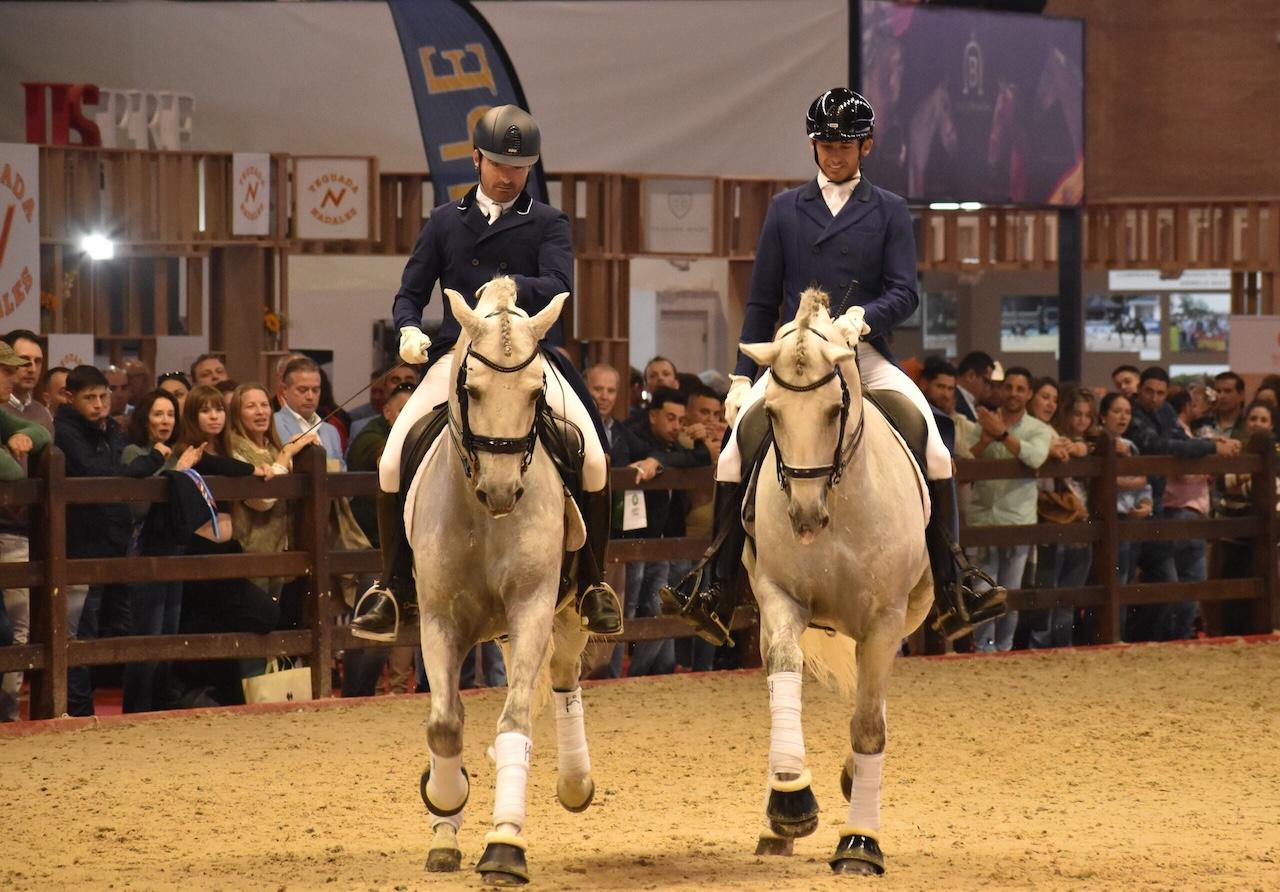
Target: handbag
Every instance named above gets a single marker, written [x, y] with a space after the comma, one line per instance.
[1061, 506]
[277, 684]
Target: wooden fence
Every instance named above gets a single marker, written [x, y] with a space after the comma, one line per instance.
[49, 653]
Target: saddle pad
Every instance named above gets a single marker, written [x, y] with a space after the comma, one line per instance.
[424, 433]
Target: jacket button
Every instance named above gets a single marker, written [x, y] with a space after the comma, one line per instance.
[475, 261]
[844, 250]
[502, 265]
[817, 250]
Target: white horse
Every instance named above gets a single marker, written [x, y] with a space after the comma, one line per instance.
[839, 521]
[489, 524]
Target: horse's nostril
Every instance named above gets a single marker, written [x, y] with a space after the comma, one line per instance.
[482, 496]
[519, 492]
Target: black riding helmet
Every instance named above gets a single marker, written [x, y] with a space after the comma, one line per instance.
[507, 134]
[840, 115]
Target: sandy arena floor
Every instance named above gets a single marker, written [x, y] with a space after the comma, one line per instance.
[1145, 768]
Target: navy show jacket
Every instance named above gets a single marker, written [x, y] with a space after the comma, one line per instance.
[864, 256]
[460, 249]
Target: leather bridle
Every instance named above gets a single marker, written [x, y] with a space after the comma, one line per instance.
[468, 442]
[842, 453]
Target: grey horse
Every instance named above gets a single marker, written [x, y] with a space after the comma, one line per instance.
[839, 518]
[489, 521]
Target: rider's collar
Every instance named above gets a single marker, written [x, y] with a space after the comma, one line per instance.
[522, 204]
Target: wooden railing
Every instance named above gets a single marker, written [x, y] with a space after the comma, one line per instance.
[49, 652]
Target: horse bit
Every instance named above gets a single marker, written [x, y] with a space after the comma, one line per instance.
[468, 441]
[835, 469]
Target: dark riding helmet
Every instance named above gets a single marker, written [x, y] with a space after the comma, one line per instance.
[840, 115]
[507, 134]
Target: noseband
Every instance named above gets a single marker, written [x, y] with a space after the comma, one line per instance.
[470, 443]
[835, 469]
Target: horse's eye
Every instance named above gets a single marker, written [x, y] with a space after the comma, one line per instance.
[833, 414]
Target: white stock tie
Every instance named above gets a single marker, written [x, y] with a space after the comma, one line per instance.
[836, 195]
[495, 211]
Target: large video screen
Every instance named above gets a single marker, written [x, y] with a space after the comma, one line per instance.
[973, 105]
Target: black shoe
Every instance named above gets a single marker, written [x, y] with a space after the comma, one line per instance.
[382, 620]
[707, 597]
[965, 595]
[600, 611]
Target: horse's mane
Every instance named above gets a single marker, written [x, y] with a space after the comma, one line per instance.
[813, 301]
[498, 296]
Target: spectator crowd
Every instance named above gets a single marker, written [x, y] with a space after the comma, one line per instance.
[186, 425]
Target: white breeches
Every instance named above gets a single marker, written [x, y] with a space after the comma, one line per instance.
[434, 390]
[877, 373]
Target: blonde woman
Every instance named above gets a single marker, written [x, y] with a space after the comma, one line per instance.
[261, 525]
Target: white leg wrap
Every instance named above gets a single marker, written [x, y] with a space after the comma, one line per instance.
[511, 752]
[786, 735]
[446, 787]
[864, 804]
[454, 821]
[571, 735]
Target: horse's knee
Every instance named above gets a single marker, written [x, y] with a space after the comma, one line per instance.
[868, 732]
[784, 656]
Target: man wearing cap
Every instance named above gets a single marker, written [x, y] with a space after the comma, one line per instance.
[496, 229]
[855, 241]
[19, 438]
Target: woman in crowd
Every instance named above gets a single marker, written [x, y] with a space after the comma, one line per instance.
[154, 607]
[227, 605]
[1064, 500]
[176, 385]
[262, 525]
[1134, 499]
[1043, 405]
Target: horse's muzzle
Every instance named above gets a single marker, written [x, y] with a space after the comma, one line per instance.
[501, 501]
[807, 524]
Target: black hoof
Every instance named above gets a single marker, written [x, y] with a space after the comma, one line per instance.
[583, 806]
[444, 860]
[771, 846]
[858, 855]
[503, 864]
[442, 812]
[793, 814]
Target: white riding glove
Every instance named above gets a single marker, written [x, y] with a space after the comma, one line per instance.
[852, 325]
[739, 389]
[414, 345]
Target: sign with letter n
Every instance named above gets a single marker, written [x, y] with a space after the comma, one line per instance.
[19, 237]
[458, 70]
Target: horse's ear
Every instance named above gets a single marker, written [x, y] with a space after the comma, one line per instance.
[761, 354]
[466, 317]
[547, 316]
[835, 353]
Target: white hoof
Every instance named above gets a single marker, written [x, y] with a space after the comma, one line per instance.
[576, 795]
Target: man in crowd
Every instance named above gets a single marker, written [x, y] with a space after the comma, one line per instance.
[53, 388]
[658, 372]
[93, 444]
[704, 419]
[118, 385]
[973, 382]
[1009, 432]
[938, 380]
[301, 395]
[665, 518]
[139, 379]
[28, 346]
[1227, 417]
[20, 438]
[1154, 429]
[208, 369]
[384, 386]
[1126, 378]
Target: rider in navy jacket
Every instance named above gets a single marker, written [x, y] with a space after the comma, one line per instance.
[865, 256]
[854, 241]
[496, 229]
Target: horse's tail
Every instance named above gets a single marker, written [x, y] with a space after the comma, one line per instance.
[832, 660]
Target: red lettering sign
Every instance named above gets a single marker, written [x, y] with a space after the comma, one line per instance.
[66, 113]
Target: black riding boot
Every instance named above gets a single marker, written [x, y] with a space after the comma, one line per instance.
[598, 603]
[393, 598]
[707, 597]
[960, 605]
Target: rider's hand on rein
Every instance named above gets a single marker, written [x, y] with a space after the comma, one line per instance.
[414, 345]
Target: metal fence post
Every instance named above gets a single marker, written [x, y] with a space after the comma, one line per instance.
[48, 536]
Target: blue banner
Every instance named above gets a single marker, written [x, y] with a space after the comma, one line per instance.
[458, 70]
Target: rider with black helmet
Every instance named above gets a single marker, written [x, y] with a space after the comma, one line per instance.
[496, 229]
[855, 241]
